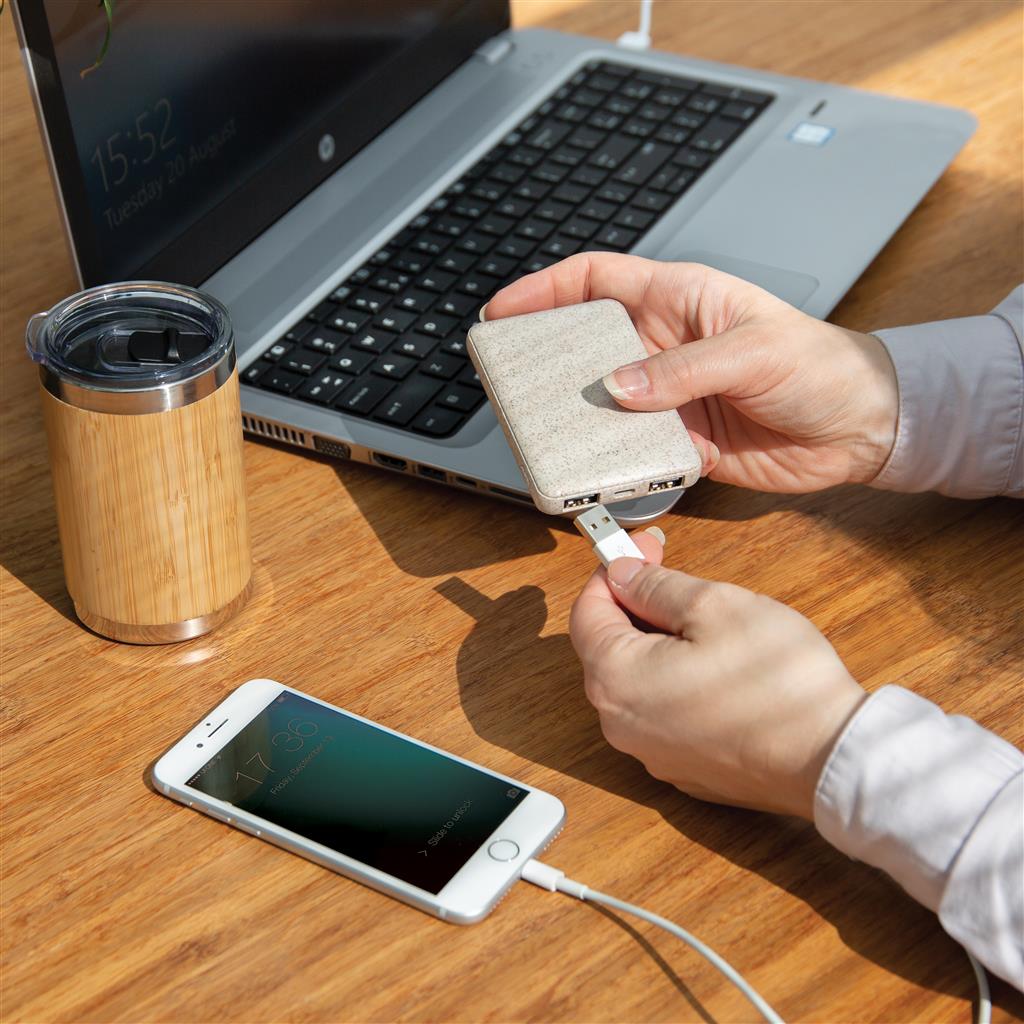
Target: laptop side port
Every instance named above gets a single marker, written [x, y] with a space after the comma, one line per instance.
[667, 485]
[432, 474]
[390, 462]
[523, 499]
[590, 499]
[465, 481]
[335, 448]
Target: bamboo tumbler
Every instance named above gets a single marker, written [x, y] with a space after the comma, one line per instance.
[140, 401]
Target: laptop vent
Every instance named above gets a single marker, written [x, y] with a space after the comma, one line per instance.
[335, 448]
[273, 430]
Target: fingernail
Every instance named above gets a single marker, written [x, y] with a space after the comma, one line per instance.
[628, 381]
[483, 313]
[657, 533]
[622, 571]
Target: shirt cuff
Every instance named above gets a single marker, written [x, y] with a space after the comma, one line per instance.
[905, 786]
[961, 406]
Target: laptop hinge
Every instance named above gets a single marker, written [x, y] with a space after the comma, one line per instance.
[495, 49]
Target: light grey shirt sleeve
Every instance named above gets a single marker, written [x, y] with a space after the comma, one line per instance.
[937, 802]
[961, 414]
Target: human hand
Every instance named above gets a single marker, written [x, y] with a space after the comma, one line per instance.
[734, 698]
[773, 398]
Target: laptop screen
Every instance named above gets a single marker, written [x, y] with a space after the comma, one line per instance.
[206, 121]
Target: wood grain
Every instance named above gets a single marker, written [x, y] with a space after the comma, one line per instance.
[118, 905]
[150, 541]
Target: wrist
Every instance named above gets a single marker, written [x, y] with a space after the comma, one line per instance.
[877, 402]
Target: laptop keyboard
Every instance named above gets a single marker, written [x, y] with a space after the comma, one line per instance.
[594, 167]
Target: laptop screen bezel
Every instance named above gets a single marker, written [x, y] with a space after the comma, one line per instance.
[227, 228]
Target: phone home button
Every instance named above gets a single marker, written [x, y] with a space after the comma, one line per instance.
[503, 849]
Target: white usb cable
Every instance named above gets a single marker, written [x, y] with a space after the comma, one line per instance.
[610, 541]
[554, 880]
[641, 39]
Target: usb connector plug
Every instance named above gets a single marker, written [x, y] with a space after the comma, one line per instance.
[609, 539]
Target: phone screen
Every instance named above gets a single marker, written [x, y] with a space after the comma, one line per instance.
[363, 792]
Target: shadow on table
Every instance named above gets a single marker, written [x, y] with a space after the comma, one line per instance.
[425, 528]
[910, 532]
[539, 712]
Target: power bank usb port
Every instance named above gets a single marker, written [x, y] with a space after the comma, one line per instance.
[667, 485]
[590, 499]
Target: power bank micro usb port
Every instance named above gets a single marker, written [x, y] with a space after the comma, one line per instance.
[666, 485]
[590, 499]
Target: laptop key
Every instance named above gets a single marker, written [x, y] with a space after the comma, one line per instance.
[437, 422]
[508, 174]
[437, 281]
[621, 107]
[535, 229]
[469, 207]
[326, 341]
[552, 173]
[418, 302]
[340, 294]
[351, 362]
[616, 238]
[406, 400]
[251, 374]
[688, 120]
[692, 158]
[586, 138]
[396, 320]
[716, 135]
[410, 263]
[371, 341]
[615, 192]
[551, 210]
[636, 219]
[550, 134]
[652, 201]
[493, 224]
[458, 305]
[275, 352]
[560, 246]
[491, 191]
[299, 331]
[391, 282]
[496, 266]
[514, 207]
[324, 388]
[740, 111]
[580, 227]
[436, 326]
[538, 262]
[395, 367]
[597, 210]
[531, 189]
[456, 262]
[321, 311]
[281, 380]
[443, 366]
[570, 193]
[613, 151]
[460, 398]
[476, 243]
[370, 302]
[729, 92]
[643, 163]
[417, 346]
[703, 104]
[573, 113]
[672, 136]
[517, 248]
[350, 323]
[589, 176]
[363, 395]
[456, 345]
[470, 377]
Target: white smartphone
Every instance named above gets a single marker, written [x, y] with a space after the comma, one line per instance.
[433, 830]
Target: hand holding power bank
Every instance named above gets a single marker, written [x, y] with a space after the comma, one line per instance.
[574, 444]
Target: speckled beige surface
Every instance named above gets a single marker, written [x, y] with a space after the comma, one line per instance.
[543, 374]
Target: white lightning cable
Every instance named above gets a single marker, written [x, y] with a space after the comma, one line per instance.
[984, 1015]
[641, 39]
[554, 880]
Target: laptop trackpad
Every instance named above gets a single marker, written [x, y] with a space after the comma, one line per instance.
[793, 287]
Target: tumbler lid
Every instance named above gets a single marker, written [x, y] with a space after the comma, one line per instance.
[134, 347]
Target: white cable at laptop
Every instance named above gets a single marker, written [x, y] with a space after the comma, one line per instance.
[641, 39]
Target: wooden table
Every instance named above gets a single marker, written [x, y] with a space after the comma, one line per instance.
[119, 905]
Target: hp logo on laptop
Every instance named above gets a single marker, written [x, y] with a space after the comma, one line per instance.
[325, 148]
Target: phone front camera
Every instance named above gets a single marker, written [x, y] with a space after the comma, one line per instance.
[199, 744]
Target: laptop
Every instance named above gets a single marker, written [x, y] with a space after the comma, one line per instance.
[354, 180]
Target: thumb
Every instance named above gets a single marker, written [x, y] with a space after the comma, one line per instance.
[726, 364]
[664, 598]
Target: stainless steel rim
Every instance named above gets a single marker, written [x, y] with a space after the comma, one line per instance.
[168, 632]
[134, 403]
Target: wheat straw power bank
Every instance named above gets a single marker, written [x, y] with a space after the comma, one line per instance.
[575, 445]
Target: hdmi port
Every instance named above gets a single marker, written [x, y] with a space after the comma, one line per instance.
[390, 462]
